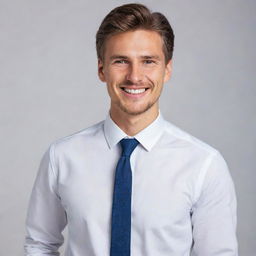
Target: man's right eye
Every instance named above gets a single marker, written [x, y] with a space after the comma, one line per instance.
[120, 61]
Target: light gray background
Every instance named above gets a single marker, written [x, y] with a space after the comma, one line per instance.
[49, 88]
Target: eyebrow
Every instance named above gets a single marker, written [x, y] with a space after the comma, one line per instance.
[156, 57]
[148, 57]
[114, 57]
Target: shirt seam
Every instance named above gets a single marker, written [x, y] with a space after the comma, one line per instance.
[53, 166]
[202, 175]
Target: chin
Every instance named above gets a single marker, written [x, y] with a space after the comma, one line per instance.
[136, 111]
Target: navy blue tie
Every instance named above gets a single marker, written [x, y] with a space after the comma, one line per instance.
[121, 208]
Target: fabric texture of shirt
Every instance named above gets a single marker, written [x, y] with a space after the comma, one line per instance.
[183, 197]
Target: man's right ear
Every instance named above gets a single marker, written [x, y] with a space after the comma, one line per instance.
[101, 71]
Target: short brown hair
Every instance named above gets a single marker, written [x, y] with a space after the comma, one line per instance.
[131, 17]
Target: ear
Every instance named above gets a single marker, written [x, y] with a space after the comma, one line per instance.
[101, 71]
[168, 71]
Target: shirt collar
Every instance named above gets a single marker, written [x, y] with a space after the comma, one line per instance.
[147, 137]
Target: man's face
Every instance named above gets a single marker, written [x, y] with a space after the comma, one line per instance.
[134, 69]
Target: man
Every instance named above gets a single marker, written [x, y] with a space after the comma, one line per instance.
[133, 184]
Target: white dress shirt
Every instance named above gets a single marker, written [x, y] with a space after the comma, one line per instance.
[183, 197]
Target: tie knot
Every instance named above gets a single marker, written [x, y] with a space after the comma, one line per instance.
[128, 145]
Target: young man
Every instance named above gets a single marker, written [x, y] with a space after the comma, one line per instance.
[133, 184]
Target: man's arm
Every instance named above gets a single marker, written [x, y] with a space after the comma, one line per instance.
[46, 217]
[214, 214]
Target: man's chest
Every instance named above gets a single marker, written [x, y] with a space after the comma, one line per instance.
[163, 188]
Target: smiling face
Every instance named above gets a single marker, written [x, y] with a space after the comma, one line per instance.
[135, 70]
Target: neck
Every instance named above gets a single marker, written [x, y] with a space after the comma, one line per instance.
[133, 124]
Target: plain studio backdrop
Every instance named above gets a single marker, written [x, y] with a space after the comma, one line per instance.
[50, 89]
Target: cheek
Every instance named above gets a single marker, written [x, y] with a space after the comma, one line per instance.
[115, 75]
[156, 76]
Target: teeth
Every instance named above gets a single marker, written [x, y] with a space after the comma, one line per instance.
[136, 91]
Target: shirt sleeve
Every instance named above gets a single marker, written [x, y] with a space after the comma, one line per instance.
[214, 214]
[46, 218]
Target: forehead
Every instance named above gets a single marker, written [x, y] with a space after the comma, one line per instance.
[138, 42]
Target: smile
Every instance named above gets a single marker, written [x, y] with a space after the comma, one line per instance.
[134, 91]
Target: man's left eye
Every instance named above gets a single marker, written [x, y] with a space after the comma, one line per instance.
[149, 61]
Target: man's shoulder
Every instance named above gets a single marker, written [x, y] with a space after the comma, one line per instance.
[183, 138]
[80, 137]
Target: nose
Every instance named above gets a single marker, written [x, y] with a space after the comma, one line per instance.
[135, 73]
